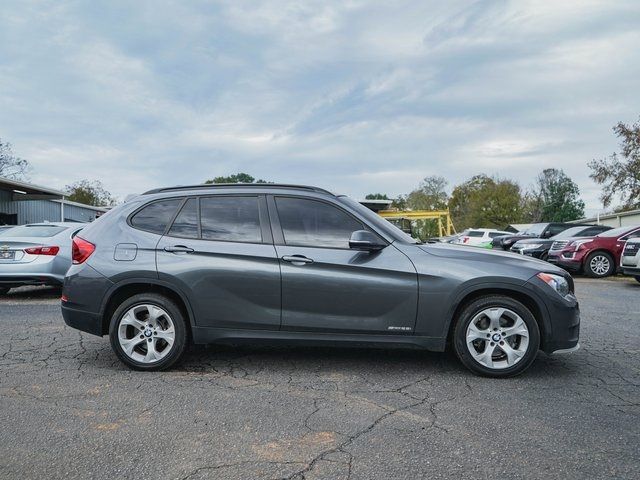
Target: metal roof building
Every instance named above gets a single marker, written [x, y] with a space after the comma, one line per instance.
[22, 203]
[620, 219]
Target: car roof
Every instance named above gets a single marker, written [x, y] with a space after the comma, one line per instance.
[242, 186]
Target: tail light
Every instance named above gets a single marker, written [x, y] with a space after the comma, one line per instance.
[53, 251]
[81, 250]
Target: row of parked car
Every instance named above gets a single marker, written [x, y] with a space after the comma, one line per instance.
[594, 250]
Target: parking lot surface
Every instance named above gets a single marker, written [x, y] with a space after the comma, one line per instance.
[69, 409]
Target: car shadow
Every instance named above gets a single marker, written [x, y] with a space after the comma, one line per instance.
[33, 293]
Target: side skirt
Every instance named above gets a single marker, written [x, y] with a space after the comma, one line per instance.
[202, 335]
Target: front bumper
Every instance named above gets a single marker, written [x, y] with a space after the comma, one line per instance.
[535, 253]
[560, 329]
[633, 271]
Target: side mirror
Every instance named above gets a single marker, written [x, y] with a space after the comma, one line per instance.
[366, 241]
[546, 234]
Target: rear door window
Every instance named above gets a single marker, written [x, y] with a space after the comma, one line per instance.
[186, 223]
[230, 219]
[156, 216]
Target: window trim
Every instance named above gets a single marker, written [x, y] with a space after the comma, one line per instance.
[262, 241]
[278, 233]
[144, 205]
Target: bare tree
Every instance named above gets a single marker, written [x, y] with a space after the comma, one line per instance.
[12, 167]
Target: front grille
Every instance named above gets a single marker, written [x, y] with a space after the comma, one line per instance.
[631, 249]
[559, 244]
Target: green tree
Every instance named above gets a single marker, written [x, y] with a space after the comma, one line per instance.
[89, 192]
[236, 178]
[620, 173]
[431, 194]
[11, 166]
[558, 197]
[484, 201]
[376, 196]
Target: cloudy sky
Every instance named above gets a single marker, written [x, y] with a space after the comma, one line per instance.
[353, 96]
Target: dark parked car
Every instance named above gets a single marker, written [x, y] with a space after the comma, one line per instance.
[537, 230]
[539, 247]
[596, 257]
[267, 262]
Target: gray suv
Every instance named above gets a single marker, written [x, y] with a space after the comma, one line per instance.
[296, 264]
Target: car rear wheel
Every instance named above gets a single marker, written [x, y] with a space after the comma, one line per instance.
[148, 332]
[599, 265]
[496, 336]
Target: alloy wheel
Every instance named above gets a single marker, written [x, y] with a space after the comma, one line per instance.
[600, 265]
[497, 338]
[146, 333]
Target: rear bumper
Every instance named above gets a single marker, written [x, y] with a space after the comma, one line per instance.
[22, 279]
[81, 320]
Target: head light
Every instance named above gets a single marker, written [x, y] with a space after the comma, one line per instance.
[576, 244]
[557, 282]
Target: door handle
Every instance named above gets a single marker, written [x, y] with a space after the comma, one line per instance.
[178, 249]
[297, 259]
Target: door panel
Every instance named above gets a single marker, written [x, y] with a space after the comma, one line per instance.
[229, 285]
[214, 252]
[326, 286]
[348, 291]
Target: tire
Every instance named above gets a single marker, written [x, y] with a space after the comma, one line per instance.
[516, 321]
[4, 290]
[637, 277]
[599, 265]
[144, 321]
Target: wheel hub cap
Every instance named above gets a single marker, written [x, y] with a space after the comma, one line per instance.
[146, 333]
[497, 338]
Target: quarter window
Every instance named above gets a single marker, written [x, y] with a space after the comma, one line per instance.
[312, 223]
[156, 216]
[232, 219]
[186, 223]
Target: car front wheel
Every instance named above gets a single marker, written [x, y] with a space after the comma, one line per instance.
[148, 332]
[599, 265]
[496, 336]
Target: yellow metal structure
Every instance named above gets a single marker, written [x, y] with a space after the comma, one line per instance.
[445, 225]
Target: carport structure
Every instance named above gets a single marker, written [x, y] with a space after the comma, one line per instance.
[22, 202]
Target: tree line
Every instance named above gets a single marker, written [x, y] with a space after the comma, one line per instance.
[482, 200]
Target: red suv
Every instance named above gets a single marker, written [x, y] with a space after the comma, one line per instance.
[597, 256]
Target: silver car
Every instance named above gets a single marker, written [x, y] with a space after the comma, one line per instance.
[36, 254]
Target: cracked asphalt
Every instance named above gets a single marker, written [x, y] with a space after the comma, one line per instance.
[69, 409]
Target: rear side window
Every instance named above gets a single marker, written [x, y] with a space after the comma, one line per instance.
[186, 223]
[38, 231]
[156, 216]
[473, 233]
[231, 219]
[311, 223]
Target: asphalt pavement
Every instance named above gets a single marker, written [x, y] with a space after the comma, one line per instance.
[69, 409]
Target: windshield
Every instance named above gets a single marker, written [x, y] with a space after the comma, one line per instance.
[39, 231]
[535, 229]
[377, 220]
[616, 232]
[570, 232]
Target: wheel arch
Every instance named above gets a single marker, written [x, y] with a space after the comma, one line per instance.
[121, 291]
[527, 298]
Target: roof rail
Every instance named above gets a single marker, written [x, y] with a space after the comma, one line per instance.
[242, 185]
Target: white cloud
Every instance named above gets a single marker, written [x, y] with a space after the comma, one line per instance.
[351, 95]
